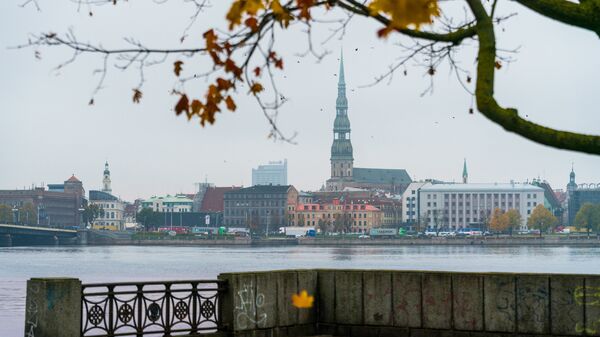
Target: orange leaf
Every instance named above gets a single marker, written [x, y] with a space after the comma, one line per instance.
[279, 64]
[137, 95]
[196, 107]
[223, 84]
[498, 65]
[177, 67]
[257, 71]
[252, 23]
[182, 105]
[231, 67]
[256, 88]
[230, 103]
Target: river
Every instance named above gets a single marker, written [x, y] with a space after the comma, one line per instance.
[136, 263]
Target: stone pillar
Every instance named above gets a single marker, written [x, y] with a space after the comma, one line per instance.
[82, 237]
[53, 307]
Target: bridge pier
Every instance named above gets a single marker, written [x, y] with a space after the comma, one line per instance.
[6, 240]
[82, 237]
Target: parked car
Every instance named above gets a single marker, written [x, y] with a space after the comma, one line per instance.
[363, 236]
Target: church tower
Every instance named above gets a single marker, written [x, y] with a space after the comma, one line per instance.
[572, 185]
[465, 175]
[342, 160]
[106, 180]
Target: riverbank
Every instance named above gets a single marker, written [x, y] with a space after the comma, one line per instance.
[439, 241]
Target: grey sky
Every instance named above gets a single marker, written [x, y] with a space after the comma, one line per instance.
[48, 131]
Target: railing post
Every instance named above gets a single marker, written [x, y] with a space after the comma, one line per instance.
[53, 307]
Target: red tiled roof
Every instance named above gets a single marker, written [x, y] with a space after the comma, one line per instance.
[213, 199]
[74, 179]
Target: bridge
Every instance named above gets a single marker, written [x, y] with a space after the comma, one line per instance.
[19, 235]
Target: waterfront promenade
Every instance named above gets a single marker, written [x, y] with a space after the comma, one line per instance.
[346, 303]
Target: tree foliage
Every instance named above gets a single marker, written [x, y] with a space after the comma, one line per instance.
[541, 218]
[588, 217]
[6, 215]
[27, 213]
[498, 221]
[513, 218]
[148, 218]
[91, 212]
[246, 55]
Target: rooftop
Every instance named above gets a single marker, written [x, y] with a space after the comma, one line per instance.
[491, 187]
[264, 189]
[379, 175]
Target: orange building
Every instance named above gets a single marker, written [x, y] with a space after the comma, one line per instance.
[337, 217]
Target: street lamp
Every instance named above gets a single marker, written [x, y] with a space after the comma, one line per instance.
[15, 215]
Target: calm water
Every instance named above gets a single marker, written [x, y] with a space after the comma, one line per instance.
[97, 264]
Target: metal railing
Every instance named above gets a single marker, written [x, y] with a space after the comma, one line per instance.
[151, 308]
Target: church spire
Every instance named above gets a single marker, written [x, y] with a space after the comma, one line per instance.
[342, 79]
[465, 174]
[342, 161]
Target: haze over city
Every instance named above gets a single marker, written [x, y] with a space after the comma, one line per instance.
[53, 133]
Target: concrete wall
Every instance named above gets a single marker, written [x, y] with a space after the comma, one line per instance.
[405, 303]
[260, 303]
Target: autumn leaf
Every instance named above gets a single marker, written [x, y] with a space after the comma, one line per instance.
[177, 67]
[279, 64]
[223, 84]
[239, 8]
[182, 105]
[304, 6]
[230, 103]
[137, 95]
[404, 13]
[303, 300]
[256, 88]
[498, 64]
[196, 107]
[257, 71]
[230, 66]
[281, 14]
[252, 23]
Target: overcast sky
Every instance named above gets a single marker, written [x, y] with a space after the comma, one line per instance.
[48, 131]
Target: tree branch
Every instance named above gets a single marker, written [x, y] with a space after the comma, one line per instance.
[509, 118]
[585, 14]
[455, 37]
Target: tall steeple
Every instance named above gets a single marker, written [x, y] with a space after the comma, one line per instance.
[465, 174]
[342, 159]
[572, 185]
[106, 180]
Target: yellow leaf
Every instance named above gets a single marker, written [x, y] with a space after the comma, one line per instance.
[405, 13]
[281, 14]
[239, 8]
[303, 300]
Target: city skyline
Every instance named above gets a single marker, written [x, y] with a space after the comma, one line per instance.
[152, 152]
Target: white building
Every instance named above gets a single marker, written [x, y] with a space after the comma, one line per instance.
[113, 210]
[177, 204]
[410, 202]
[457, 206]
[274, 173]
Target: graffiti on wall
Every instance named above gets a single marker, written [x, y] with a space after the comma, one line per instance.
[249, 301]
[590, 297]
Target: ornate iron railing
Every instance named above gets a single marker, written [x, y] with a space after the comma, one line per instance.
[151, 308]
